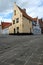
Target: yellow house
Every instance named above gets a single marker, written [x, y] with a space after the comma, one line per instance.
[21, 22]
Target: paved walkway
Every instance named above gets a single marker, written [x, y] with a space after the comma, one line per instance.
[21, 50]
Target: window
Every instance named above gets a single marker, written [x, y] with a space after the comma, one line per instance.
[13, 21]
[14, 12]
[17, 29]
[17, 20]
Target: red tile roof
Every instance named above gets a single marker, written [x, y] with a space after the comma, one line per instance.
[5, 24]
[25, 14]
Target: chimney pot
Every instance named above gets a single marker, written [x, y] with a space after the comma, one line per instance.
[24, 9]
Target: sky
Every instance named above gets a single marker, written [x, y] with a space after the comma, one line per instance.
[33, 8]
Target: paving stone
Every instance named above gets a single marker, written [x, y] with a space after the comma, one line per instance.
[31, 63]
[41, 55]
[18, 62]
[41, 61]
[35, 59]
[15, 61]
[10, 59]
[38, 52]
[12, 64]
[36, 55]
[26, 48]
[41, 64]
[3, 63]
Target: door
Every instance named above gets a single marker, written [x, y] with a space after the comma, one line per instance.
[14, 31]
[17, 29]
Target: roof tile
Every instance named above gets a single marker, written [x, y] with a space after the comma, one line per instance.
[5, 24]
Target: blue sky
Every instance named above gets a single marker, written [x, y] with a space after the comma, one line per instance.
[34, 8]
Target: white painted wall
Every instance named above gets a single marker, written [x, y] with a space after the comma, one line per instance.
[36, 30]
[5, 31]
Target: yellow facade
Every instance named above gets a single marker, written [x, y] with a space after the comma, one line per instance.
[23, 26]
[27, 25]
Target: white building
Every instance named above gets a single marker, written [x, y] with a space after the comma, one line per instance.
[5, 31]
[36, 26]
[5, 27]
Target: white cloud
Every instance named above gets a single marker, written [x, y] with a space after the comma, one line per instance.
[35, 11]
[5, 5]
[34, 7]
[7, 20]
[7, 12]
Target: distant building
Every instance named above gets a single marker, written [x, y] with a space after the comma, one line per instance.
[36, 26]
[41, 25]
[5, 27]
[21, 22]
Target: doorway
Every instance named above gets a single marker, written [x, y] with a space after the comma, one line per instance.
[14, 31]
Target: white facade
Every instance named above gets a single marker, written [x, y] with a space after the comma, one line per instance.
[36, 28]
[5, 31]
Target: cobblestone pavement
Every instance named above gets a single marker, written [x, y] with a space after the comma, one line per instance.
[21, 50]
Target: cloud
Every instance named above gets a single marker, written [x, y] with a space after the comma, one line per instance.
[35, 11]
[7, 20]
[34, 8]
[6, 16]
[5, 5]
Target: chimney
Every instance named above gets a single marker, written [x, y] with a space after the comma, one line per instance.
[24, 9]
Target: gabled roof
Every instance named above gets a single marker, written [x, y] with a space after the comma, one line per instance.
[5, 24]
[25, 14]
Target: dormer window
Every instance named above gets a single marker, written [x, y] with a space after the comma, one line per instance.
[14, 12]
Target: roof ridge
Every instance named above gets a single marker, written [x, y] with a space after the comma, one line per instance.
[25, 14]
